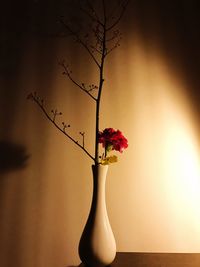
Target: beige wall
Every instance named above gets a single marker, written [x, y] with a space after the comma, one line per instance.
[153, 193]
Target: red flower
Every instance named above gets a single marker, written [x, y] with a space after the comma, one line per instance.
[112, 140]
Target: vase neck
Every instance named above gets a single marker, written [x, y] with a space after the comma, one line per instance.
[99, 171]
[99, 181]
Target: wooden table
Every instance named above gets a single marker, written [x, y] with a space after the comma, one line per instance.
[125, 259]
[132, 259]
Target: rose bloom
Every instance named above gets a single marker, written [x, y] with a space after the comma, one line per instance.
[113, 140]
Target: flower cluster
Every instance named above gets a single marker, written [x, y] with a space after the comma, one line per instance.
[112, 140]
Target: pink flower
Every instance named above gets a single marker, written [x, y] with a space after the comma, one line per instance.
[112, 140]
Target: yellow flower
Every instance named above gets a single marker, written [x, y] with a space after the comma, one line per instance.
[109, 160]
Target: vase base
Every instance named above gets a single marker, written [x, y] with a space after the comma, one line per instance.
[83, 265]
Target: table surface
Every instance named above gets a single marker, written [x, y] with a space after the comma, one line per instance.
[157, 260]
[133, 259]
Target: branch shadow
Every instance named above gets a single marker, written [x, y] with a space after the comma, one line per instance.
[12, 157]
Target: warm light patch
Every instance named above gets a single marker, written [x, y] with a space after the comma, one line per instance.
[166, 157]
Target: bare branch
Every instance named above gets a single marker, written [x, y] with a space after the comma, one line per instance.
[55, 114]
[100, 41]
[115, 34]
[92, 16]
[38, 101]
[81, 86]
[83, 138]
[117, 44]
[95, 49]
[79, 40]
[117, 20]
[98, 34]
[65, 126]
[94, 13]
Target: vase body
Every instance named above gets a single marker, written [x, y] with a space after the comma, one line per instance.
[97, 247]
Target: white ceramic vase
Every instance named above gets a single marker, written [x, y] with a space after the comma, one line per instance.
[97, 247]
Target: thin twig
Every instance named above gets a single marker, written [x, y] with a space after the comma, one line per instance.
[125, 3]
[103, 35]
[96, 50]
[101, 81]
[78, 39]
[40, 104]
[93, 18]
[115, 34]
[94, 12]
[66, 72]
[112, 48]
[83, 137]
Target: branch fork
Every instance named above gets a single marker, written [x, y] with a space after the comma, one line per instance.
[106, 40]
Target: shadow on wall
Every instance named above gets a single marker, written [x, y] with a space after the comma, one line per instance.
[12, 156]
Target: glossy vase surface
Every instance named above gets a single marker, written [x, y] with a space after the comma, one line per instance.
[97, 247]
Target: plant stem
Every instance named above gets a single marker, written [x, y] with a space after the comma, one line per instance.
[101, 81]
